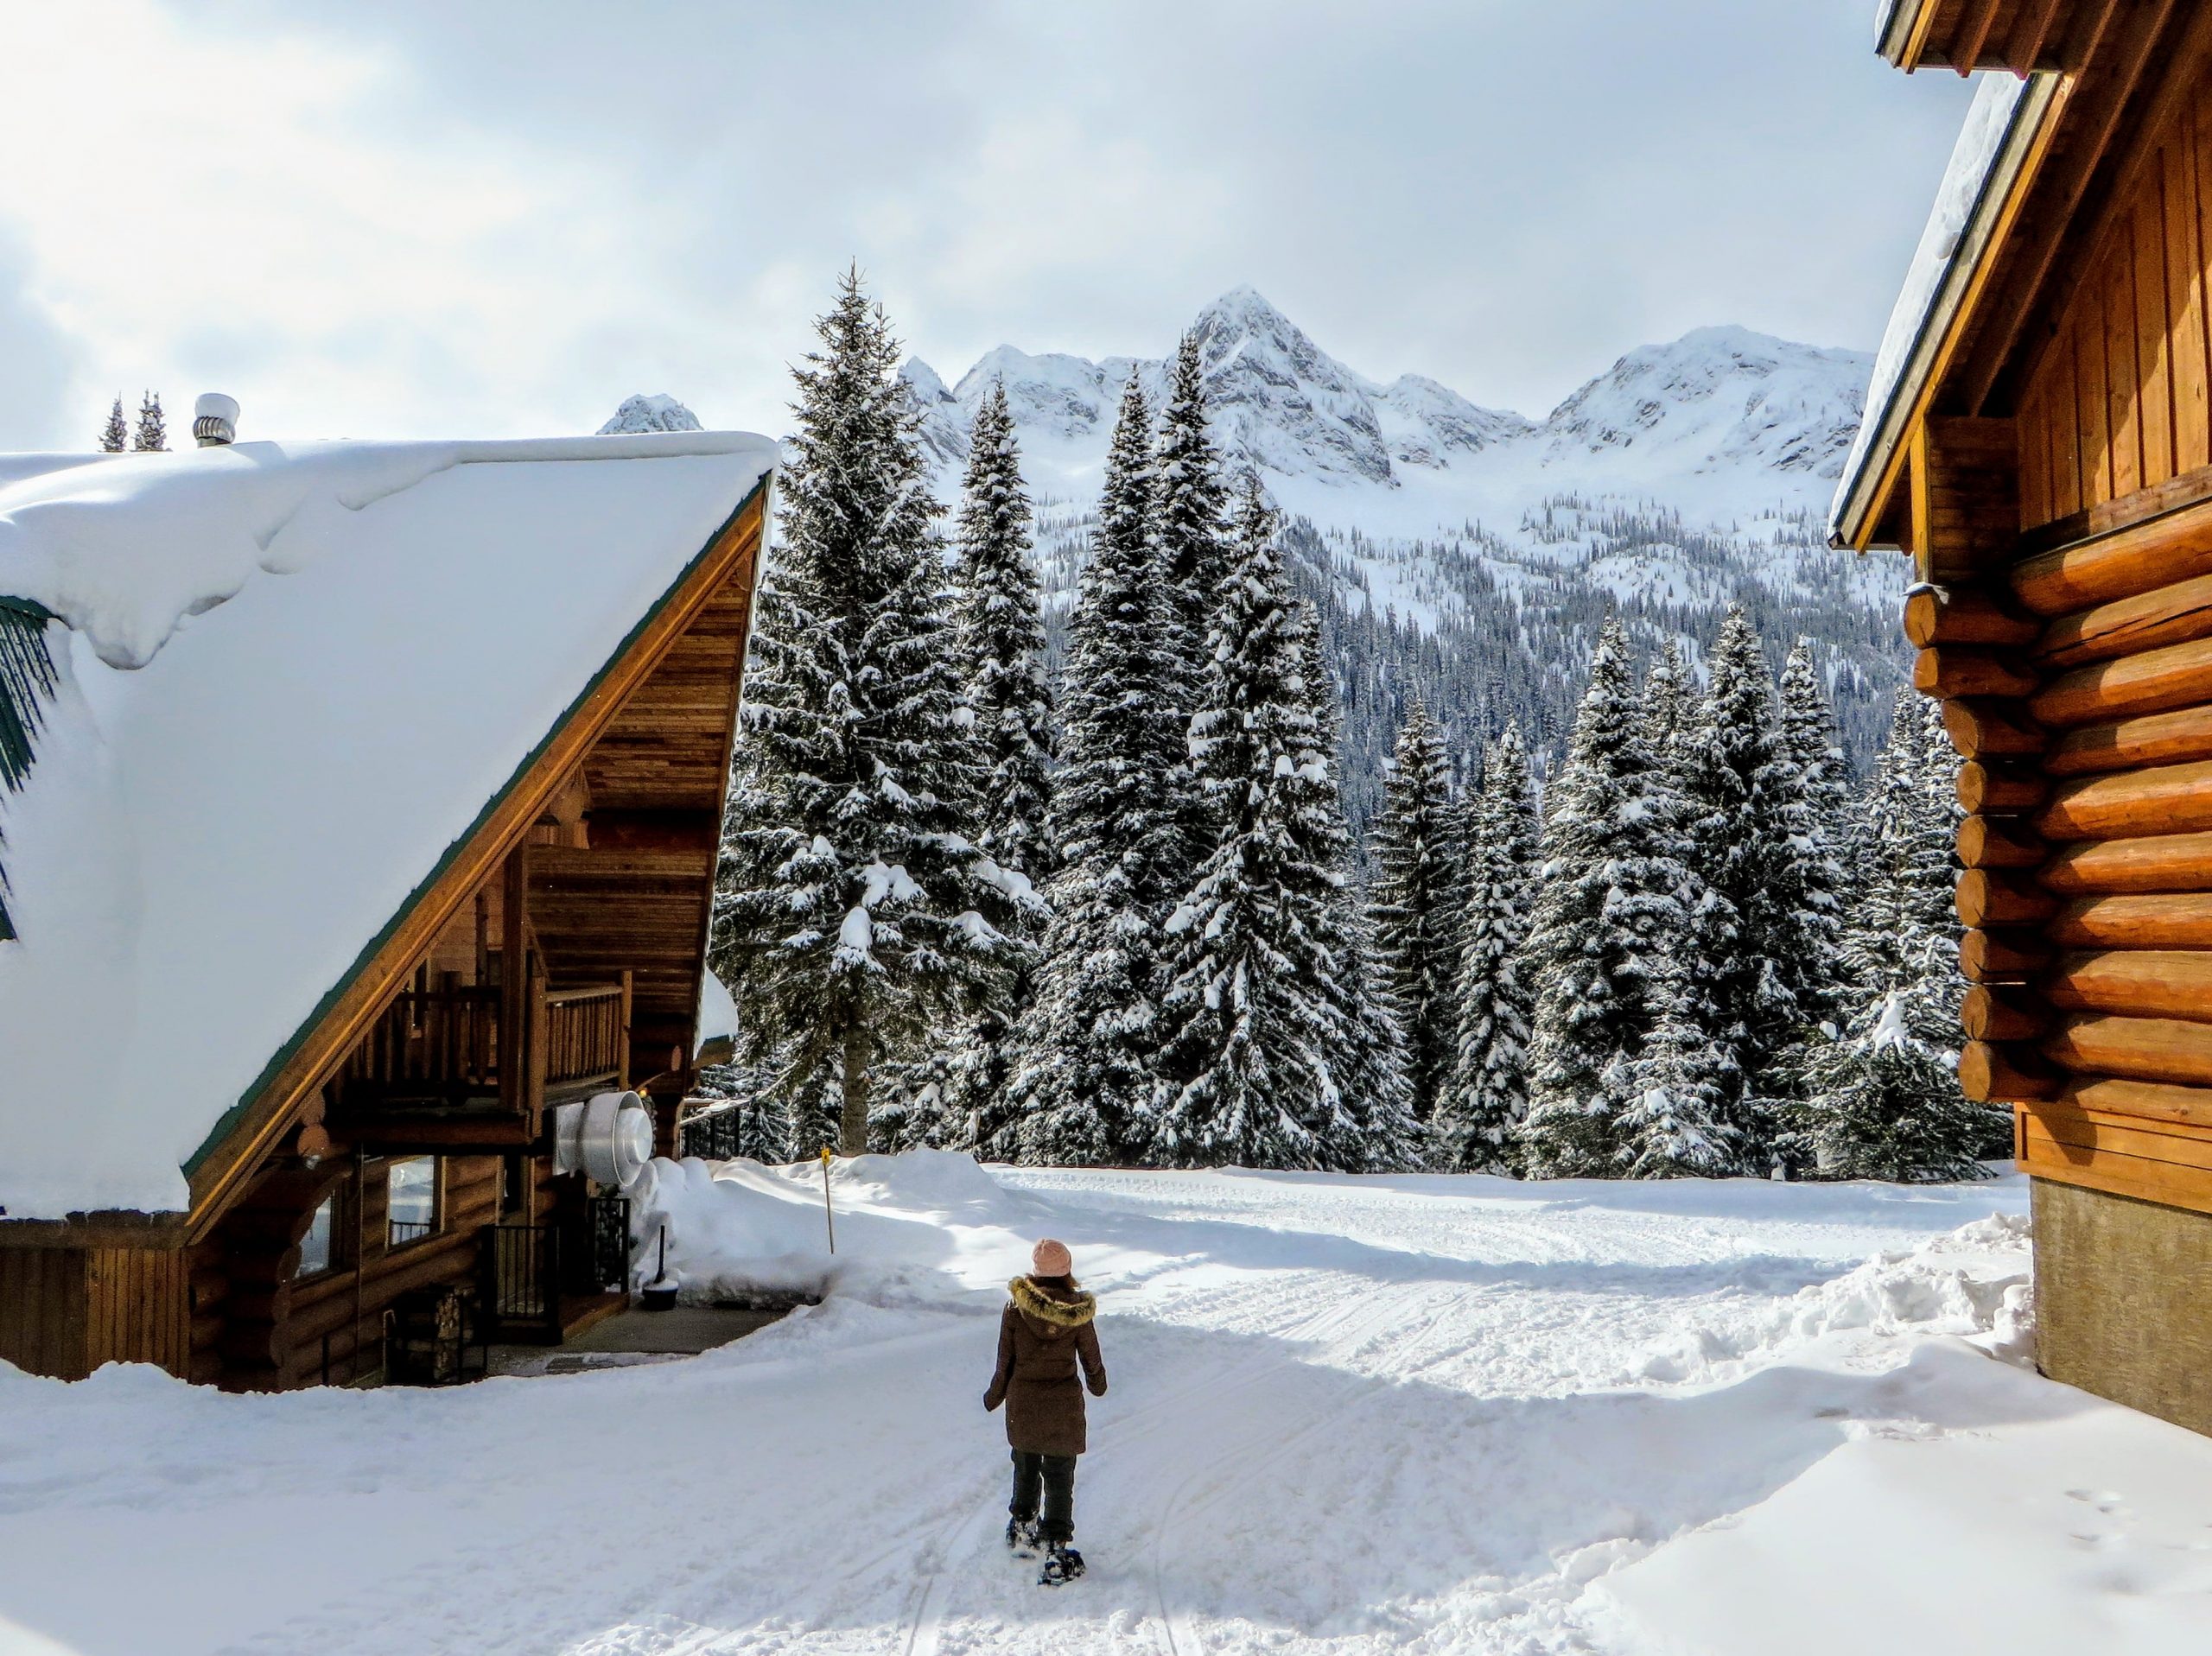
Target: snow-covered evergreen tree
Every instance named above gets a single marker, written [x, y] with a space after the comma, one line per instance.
[1001, 635]
[1670, 706]
[759, 1123]
[115, 435]
[1486, 1097]
[1417, 902]
[1765, 957]
[1090, 1075]
[1676, 1123]
[1883, 1099]
[152, 433]
[1374, 1078]
[1811, 742]
[1190, 517]
[858, 920]
[1263, 967]
[1612, 903]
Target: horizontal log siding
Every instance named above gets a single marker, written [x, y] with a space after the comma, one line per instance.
[2117, 404]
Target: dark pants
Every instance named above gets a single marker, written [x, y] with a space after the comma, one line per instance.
[1056, 1472]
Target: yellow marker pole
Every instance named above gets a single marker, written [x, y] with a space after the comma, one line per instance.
[828, 1218]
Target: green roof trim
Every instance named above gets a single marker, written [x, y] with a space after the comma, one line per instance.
[27, 681]
[237, 1112]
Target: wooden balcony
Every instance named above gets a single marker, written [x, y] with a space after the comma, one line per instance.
[431, 1072]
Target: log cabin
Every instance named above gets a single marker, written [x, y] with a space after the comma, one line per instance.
[358, 812]
[2037, 438]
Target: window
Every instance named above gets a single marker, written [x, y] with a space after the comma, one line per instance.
[410, 1200]
[319, 1248]
[514, 1185]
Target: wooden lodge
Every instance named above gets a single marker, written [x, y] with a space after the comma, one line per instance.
[2039, 438]
[415, 838]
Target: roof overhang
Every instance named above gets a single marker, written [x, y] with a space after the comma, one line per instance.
[1923, 343]
[1966, 35]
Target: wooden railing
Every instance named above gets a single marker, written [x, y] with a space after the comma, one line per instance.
[585, 1033]
[435, 1041]
[442, 1041]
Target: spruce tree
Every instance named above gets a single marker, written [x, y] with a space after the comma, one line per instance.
[1670, 704]
[1676, 1122]
[1001, 645]
[1883, 1099]
[1190, 515]
[1417, 900]
[1089, 1076]
[1613, 902]
[1263, 968]
[1479, 1112]
[1812, 743]
[115, 435]
[858, 918]
[152, 434]
[1763, 963]
[1374, 1080]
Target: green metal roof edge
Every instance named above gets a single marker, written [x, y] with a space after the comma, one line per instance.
[228, 1121]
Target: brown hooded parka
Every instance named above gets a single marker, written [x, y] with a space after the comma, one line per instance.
[1045, 1332]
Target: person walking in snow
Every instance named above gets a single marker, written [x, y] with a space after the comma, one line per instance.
[1046, 1332]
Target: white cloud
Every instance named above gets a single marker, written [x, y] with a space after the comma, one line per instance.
[504, 215]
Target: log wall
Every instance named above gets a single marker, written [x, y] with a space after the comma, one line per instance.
[2065, 622]
[257, 1325]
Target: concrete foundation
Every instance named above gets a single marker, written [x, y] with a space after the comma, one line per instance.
[2124, 1300]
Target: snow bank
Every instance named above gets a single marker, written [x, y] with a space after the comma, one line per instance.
[927, 1227]
[280, 707]
[1970, 1284]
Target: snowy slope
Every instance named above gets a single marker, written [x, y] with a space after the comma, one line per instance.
[1346, 1417]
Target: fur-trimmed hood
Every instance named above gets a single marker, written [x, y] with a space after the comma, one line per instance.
[1061, 1314]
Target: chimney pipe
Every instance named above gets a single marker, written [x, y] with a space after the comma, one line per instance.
[215, 420]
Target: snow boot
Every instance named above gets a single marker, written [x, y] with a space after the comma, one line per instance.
[1021, 1536]
[1062, 1564]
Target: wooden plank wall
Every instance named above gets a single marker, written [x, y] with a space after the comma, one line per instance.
[138, 1307]
[64, 1311]
[2117, 402]
[42, 1309]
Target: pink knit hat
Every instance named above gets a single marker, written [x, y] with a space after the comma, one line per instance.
[1050, 1259]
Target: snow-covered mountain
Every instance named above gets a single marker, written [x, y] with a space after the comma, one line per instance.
[1721, 415]
[1467, 553]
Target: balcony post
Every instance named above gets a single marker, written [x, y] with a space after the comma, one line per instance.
[514, 983]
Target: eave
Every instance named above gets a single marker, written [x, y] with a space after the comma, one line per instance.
[1868, 503]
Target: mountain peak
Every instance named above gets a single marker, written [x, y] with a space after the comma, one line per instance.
[1720, 395]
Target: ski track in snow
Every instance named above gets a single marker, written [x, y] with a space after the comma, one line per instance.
[1350, 1415]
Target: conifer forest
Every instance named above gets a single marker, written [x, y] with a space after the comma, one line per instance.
[1109, 888]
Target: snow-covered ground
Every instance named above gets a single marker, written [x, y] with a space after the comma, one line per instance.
[1412, 1413]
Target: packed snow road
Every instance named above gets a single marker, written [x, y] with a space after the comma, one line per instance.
[1345, 1415]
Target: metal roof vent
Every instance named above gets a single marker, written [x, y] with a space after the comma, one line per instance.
[215, 420]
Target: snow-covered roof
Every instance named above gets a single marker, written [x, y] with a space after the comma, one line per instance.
[2001, 127]
[289, 679]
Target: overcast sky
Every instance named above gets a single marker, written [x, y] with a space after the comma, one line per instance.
[459, 217]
